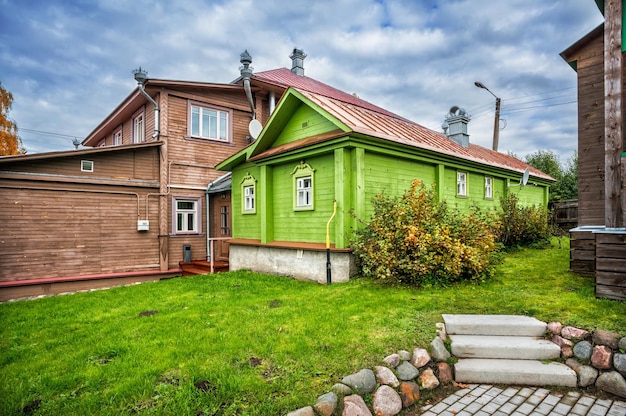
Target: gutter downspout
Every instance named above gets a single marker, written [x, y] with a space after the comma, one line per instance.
[272, 101]
[207, 211]
[328, 268]
[246, 74]
[141, 77]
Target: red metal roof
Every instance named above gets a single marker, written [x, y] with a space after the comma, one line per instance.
[366, 118]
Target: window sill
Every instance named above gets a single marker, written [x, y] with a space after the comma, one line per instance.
[207, 140]
[179, 235]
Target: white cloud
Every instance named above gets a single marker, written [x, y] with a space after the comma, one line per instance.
[68, 63]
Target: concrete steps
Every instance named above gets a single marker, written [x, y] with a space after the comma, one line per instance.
[505, 349]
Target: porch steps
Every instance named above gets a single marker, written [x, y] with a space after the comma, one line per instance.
[505, 349]
[196, 267]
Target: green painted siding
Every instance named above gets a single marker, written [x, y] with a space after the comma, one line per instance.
[529, 194]
[305, 122]
[392, 176]
[245, 225]
[305, 226]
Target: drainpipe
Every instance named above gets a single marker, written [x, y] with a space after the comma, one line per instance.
[141, 77]
[246, 74]
[208, 222]
[272, 101]
[328, 270]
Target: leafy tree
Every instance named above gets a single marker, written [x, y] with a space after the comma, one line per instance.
[10, 142]
[566, 186]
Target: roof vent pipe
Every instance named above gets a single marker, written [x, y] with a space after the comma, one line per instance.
[297, 61]
[141, 77]
[246, 74]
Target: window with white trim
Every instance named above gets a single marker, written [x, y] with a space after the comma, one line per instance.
[461, 183]
[186, 215]
[139, 128]
[488, 187]
[305, 191]
[86, 165]
[209, 123]
[248, 194]
[117, 137]
[303, 185]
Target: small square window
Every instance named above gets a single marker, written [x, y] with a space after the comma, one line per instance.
[86, 165]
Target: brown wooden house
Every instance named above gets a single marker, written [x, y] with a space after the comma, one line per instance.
[598, 244]
[140, 198]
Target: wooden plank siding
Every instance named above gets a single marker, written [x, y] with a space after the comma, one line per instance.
[191, 161]
[82, 229]
[610, 273]
[583, 252]
[306, 225]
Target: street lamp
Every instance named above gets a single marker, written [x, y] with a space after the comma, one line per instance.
[496, 122]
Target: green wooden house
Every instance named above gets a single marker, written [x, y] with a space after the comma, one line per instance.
[322, 146]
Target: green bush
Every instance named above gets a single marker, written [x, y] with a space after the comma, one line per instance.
[417, 240]
[522, 226]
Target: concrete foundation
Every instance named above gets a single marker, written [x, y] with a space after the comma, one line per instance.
[301, 264]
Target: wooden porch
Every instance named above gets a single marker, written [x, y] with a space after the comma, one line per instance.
[196, 267]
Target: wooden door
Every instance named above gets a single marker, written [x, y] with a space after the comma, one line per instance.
[221, 223]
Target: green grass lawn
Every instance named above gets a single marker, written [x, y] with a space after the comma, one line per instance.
[242, 343]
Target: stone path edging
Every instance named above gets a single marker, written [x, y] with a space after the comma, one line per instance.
[396, 385]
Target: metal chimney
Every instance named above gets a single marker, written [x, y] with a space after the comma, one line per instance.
[297, 61]
[457, 120]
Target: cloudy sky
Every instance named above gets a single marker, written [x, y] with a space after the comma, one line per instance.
[68, 63]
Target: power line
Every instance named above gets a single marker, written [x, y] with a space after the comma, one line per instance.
[49, 133]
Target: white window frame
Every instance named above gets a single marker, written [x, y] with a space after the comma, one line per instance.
[86, 165]
[186, 221]
[248, 194]
[461, 183]
[200, 114]
[249, 198]
[139, 127]
[116, 137]
[488, 187]
[303, 192]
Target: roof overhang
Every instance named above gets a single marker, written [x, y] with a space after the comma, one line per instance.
[78, 152]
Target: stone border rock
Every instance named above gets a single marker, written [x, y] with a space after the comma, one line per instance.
[598, 358]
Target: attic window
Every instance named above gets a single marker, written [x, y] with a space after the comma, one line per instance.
[86, 165]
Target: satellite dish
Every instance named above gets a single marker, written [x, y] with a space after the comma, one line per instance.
[255, 128]
[525, 177]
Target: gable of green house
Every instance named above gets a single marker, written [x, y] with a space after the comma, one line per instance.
[304, 122]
